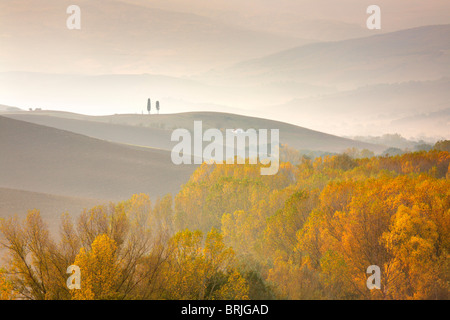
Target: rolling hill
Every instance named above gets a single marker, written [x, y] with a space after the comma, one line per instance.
[414, 54]
[155, 130]
[378, 108]
[47, 160]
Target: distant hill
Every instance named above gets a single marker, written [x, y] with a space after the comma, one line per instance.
[414, 54]
[353, 87]
[8, 108]
[437, 123]
[155, 130]
[413, 108]
[47, 160]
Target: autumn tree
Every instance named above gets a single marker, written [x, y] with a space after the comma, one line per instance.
[6, 287]
[196, 271]
[36, 267]
[100, 271]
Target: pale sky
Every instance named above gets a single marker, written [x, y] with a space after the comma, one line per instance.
[34, 38]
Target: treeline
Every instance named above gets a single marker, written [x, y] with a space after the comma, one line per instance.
[309, 232]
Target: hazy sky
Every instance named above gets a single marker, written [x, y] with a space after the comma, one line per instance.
[121, 37]
[184, 46]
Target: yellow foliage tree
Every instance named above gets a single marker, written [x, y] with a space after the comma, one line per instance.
[412, 242]
[100, 271]
[7, 291]
[196, 271]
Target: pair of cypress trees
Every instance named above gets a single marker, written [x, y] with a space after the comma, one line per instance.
[149, 105]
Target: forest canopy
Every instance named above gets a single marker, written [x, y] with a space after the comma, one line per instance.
[309, 232]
